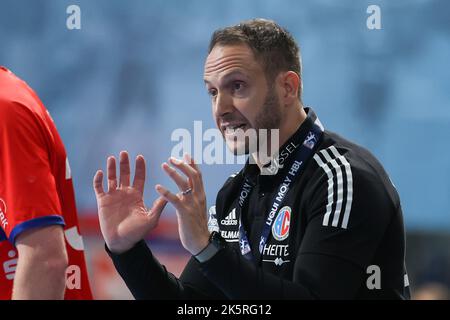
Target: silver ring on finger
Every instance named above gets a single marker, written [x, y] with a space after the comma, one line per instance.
[187, 191]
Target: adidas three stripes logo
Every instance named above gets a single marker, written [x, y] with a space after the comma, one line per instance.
[340, 187]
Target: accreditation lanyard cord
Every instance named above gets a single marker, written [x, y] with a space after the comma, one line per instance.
[304, 151]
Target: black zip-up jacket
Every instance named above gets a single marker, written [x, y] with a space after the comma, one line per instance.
[338, 235]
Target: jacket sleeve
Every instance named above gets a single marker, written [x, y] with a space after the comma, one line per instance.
[147, 279]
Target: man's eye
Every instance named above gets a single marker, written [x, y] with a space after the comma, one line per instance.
[212, 92]
[238, 85]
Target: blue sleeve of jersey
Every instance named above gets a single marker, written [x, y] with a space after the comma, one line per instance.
[35, 223]
[3, 236]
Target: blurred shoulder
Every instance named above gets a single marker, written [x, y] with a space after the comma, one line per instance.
[17, 99]
[356, 164]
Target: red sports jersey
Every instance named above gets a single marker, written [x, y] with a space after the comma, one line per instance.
[35, 183]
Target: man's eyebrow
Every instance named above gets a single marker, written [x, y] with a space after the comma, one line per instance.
[226, 77]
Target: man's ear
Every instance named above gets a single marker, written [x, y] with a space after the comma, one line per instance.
[291, 85]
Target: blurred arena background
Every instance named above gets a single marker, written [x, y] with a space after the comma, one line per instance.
[133, 73]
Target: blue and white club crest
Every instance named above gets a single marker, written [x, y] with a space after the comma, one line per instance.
[280, 228]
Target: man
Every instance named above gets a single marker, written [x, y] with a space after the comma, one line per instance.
[41, 251]
[327, 224]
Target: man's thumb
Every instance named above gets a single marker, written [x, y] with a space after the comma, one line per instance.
[158, 206]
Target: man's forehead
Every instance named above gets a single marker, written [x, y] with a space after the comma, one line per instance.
[224, 58]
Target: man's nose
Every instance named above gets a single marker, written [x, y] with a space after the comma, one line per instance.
[223, 105]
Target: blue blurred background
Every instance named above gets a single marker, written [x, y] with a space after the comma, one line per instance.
[133, 73]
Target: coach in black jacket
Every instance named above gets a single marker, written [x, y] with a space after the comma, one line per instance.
[319, 220]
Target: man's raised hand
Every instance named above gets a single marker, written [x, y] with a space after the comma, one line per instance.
[124, 218]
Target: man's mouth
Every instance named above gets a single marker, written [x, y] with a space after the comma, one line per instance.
[231, 130]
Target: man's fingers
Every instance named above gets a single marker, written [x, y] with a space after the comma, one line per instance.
[194, 165]
[168, 196]
[139, 175]
[111, 173]
[193, 175]
[98, 183]
[124, 169]
[181, 182]
[189, 160]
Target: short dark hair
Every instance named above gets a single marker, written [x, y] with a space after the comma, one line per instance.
[271, 44]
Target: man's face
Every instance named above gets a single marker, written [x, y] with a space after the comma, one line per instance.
[242, 100]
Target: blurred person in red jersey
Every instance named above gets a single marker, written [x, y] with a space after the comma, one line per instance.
[41, 250]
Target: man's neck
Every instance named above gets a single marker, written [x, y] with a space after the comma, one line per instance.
[288, 127]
